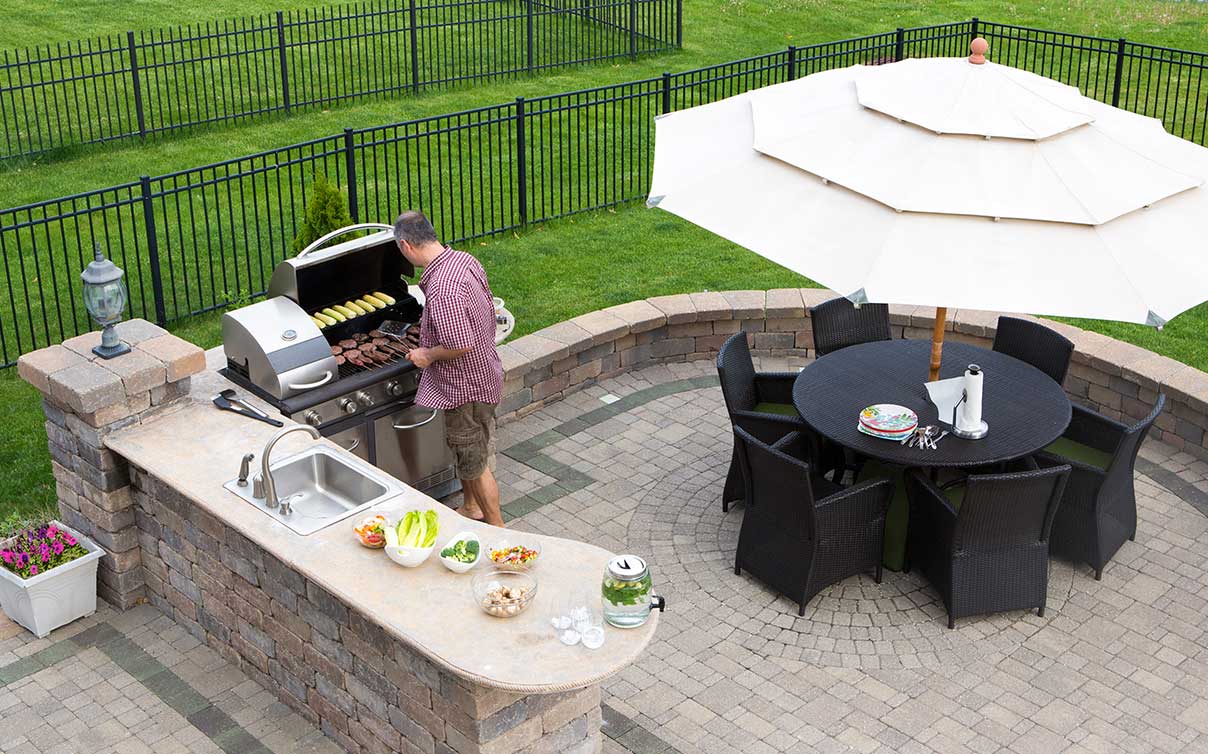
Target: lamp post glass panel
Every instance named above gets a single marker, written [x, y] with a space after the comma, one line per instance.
[105, 300]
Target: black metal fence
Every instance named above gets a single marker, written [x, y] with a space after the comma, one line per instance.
[201, 239]
[154, 82]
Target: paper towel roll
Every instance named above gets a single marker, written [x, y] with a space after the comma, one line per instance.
[971, 409]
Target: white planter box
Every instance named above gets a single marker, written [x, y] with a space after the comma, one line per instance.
[56, 597]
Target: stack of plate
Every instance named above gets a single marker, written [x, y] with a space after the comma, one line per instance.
[888, 421]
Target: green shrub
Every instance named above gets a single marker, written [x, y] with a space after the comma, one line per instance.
[326, 211]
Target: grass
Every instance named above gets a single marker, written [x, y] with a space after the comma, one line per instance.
[714, 31]
[33, 22]
[613, 256]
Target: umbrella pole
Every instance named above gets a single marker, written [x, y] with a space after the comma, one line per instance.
[937, 342]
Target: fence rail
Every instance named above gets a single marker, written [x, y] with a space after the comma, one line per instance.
[155, 82]
[198, 240]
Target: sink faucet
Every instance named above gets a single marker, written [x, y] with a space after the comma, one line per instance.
[270, 488]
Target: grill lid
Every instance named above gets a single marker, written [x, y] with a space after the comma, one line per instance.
[318, 277]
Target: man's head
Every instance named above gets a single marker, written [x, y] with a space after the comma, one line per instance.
[416, 238]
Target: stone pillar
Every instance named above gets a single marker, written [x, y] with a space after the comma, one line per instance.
[85, 398]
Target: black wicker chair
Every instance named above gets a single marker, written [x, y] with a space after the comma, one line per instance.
[759, 402]
[838, 324]
[802, 532]
[1045, 349]
[983, 541]
[1099, 510]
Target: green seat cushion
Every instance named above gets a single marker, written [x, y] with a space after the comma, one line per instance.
[1076, 451]
[955, 495]
[785, 409]
[897, 518]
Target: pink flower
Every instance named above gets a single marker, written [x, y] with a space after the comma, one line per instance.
[71, 540]
[51, 531]
[33, 570]
[58, 548]
[8, 557]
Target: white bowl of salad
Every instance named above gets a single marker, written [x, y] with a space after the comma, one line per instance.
[412, 538]
[461, 553]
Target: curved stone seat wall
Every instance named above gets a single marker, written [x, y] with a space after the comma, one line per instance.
[1119, 379]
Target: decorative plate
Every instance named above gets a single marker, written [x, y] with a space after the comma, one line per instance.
[888, 419]
[895, 436]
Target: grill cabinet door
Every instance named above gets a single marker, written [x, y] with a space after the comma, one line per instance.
[354, 439]
[411, 446]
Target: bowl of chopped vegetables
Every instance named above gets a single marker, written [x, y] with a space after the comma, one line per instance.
[411, 540]
[461, 553]
[513, 557]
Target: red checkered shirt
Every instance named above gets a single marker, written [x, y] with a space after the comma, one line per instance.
[459, 312]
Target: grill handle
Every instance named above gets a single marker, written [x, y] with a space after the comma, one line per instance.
[322, 240]
[308, 385]
[435, 411]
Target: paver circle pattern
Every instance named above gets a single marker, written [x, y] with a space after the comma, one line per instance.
[856, 623]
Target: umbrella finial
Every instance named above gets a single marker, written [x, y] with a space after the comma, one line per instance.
[978, 47]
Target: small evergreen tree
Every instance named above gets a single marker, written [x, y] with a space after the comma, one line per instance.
[326, 211]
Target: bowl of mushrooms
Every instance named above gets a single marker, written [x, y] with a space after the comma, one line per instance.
[504, 594]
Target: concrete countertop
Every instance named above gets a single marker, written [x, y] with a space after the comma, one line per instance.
[196, 448]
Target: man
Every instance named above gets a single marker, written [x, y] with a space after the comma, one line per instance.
[462, 371]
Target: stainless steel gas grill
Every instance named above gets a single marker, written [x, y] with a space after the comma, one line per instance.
[345, 378]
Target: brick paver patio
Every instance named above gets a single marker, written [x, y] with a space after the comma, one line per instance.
[635, 464]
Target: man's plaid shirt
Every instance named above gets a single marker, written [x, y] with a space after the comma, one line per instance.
[459, 312]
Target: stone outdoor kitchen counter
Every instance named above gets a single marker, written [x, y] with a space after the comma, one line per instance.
[381, 658]
[196, 448]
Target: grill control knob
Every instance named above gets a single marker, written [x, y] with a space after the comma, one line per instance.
[312, 418]
[394, 388]
[348, 405]
[365, 399]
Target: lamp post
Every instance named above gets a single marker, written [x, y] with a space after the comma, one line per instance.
[105, 300]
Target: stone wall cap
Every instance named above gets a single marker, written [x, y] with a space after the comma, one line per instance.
[36, 367]
[678, 308]
[784, 303]
[640, 315]
[602, 325]
[1188, 385]
[711, 305]
[539, 350]
[569, 334]
[746, 304]
[814, 296]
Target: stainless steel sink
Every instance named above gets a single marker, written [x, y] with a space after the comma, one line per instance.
[322, 487]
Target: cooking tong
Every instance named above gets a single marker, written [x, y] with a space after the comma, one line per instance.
[227, 401]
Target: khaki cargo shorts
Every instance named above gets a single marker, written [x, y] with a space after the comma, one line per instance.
[470, 433]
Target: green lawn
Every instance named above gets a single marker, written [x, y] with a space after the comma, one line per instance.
[714, 31]
[33, 22]
[601, 258]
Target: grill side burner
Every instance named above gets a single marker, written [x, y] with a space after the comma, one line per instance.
[369, 410]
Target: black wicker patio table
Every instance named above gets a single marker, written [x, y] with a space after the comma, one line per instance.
[1024, 408]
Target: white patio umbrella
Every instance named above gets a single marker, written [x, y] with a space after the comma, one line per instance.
[950, 183]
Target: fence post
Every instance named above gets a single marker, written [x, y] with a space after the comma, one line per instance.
[633, 29]
[157, 280]
[1119, 72]
[521, 164]
[792, 63]
[284, 60]
[976, 28]
[414, 24]
[666, 93]
[350, 170]
[138, 89]
[899, 44]
[679, 23]
[528, 35]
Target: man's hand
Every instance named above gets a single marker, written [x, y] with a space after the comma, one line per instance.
[421, 357]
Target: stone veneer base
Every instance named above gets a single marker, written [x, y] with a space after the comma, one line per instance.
[334, 666]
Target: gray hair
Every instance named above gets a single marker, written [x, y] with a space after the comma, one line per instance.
[414, 228]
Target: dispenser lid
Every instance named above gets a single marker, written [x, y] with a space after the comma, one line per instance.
[627, 568]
